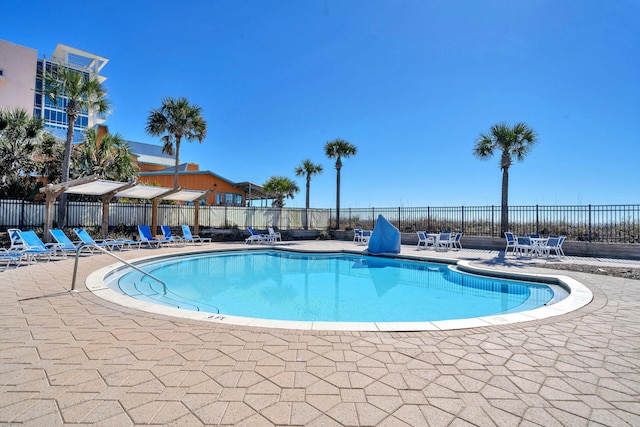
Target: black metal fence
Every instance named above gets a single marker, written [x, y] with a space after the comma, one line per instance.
[590, 223]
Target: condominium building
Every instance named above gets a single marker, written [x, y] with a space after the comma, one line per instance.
[22, 84]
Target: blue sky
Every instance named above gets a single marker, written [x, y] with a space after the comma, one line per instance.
[410, 83]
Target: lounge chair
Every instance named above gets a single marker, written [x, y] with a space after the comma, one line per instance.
[11, 256]
[193, 238]
[424, 240]
[176, 240]
[16, 242]
[108, 244]
[255, 237]
[148, 238]
[36, 248]
[511, 243]
[274, 235]
[65, 244]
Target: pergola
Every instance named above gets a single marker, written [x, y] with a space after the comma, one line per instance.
[107, 190]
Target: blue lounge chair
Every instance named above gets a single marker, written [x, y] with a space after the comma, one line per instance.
[176, 240]
[65, 244]
[36, 248]
[108, 244]
[148, 238]
[255, 237]
[11, 256]
[193, 238]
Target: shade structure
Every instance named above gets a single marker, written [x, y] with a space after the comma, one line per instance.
[107, 190]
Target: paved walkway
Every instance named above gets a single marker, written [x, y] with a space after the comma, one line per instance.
[74, 359]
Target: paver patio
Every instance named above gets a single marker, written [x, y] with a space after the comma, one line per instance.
[75, 359]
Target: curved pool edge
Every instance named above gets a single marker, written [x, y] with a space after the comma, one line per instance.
[579, 296]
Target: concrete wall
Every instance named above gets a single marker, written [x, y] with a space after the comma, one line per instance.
[602, 250]
[17, 83]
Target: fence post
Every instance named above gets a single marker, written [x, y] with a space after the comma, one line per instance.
[493, 221]
[462, 214]
[21, 221]
[537, 220]
[399, 228]
[589, 223]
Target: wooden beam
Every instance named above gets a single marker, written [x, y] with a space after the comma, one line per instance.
[154, 207]
[196, 212]
[106, 199]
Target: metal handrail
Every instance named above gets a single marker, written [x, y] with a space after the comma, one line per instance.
[75, 267]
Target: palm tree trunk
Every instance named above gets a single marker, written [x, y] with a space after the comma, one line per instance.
[306, 211]
[66, 165]
[504, 223]
[337, 198]
[175, 176]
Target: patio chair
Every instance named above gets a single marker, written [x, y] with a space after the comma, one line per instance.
[36, 248]
[524, 246]
[424, 240]
[553, 244]
[176, 240]
[193, 238]
[511, 243]
[65, 244]
[108, 244]
[456, 241]
[255, 237]
[444, 241]
[357, 235]
[275, 235]
[147, 237]
[365, 236]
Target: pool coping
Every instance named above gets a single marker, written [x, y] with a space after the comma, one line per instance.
[579, 296]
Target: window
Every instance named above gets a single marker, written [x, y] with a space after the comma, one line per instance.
[1, 72]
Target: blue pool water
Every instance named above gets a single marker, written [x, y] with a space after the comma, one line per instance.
[326, 287]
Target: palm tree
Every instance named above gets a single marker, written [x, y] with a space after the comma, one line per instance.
[337, 149]
[281, 187]
[80, 92]
[514, 141]
[175, 120]
[109, 157]
[20, 138]
[309, 169]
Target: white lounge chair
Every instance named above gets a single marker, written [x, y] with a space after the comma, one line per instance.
[255, 237]
[193, 238]
[168, 236]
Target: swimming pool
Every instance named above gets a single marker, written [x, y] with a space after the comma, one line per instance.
[337, 290]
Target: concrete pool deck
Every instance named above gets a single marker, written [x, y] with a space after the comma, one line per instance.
[74, 358]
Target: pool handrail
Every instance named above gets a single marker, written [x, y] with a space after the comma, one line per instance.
[75, 267]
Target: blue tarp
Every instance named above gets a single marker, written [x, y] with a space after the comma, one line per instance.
[385, 238]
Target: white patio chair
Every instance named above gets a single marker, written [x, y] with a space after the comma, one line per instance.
[444, 241]
[511, 243]
[274, 235]
[553, 244]
[357, 235]
[424, 240]
[524, 247]
[455, 241]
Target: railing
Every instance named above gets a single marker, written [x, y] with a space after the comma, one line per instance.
[85, 245]
[589, 223]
